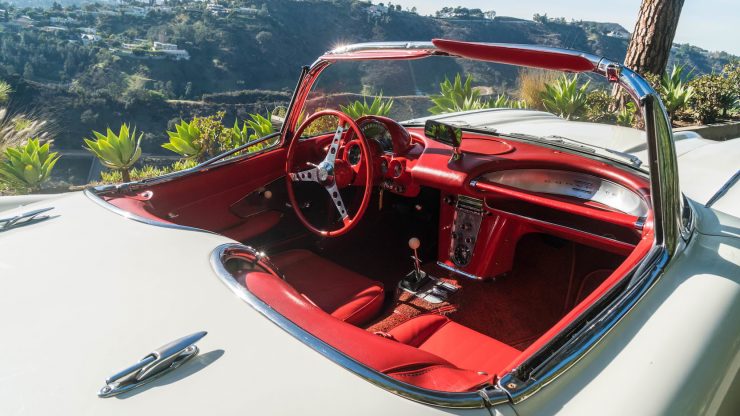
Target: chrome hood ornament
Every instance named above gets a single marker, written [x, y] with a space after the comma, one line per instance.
[155, 364]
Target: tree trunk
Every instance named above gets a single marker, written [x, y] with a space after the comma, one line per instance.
[653, 35]
[125, 175]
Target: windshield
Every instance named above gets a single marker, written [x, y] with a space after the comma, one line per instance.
[563, 109]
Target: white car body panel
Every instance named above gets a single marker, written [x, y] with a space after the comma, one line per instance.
[67, 325]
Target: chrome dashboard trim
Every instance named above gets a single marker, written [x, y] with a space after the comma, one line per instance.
[110, 207]
[578, 185]
[472, 400]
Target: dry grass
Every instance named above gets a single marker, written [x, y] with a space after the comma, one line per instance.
[16, 129]
[531, 85]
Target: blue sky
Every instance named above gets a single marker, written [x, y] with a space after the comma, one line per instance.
[709, 24]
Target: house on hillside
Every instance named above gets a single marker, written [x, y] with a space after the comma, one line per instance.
[619, 34]
[88, 38]
[376, 10]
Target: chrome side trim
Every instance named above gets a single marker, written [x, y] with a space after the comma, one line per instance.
[458, 271]
[472, 400]
[723, 190]
[100, 201]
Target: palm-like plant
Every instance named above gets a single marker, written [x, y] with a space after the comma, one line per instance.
[676, 93]
[185, 140]
[26, 166]
[379, 107]
[565, 98]
[626, 115]
[456, 96]
[117, 151]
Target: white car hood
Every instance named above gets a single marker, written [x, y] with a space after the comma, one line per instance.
[89, 292]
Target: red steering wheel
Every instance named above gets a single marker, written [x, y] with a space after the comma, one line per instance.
[332, 173]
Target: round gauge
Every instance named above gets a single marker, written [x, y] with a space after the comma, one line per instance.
[383, 166]
[376, 131]
[354, 155]
[396, 169]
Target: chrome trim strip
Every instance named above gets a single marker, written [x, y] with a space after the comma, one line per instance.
[110, 207]
[472, 400]
[723, 190]
[565, 227]
[458, 271]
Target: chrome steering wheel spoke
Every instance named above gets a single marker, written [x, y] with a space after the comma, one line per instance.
[331, 154]
[336, 197]
[308, 175]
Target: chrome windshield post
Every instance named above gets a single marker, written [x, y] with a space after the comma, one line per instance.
[665, 192]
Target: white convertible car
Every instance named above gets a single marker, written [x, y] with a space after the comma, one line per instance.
[557, 267]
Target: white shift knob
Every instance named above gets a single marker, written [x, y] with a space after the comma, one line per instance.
[414, 243]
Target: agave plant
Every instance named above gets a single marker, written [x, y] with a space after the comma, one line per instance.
[565, 98]
[117, 151]
[676, 94]
[26, 166]
[256, 127]
[379, 107]
[185, 140]
[456, 96]
[626, 115]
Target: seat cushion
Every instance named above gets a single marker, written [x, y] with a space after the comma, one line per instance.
[344, 294]
[457, 344]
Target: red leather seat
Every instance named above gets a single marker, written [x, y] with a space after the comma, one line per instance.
[344, 294]
[395, 359]
[457, 344]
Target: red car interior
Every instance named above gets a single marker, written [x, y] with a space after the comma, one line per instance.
[338, 291]
[530, 265]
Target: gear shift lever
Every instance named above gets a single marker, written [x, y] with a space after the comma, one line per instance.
[414, 244]
[417, 277]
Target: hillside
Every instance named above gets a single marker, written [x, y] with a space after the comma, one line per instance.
[243, 56]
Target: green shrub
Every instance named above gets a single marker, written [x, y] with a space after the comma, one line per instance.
[116, 151]
[379, 107]
[598, 103]
[25, 167]
[711, 98]
[456, 96]
[565, 98]
[256, 127]
[5, 91]
[185, 140]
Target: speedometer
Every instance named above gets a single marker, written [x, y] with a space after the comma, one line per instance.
[377, 132]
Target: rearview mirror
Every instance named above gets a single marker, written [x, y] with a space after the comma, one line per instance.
[447, 134]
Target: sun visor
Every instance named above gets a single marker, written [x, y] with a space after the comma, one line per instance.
[522, 55]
